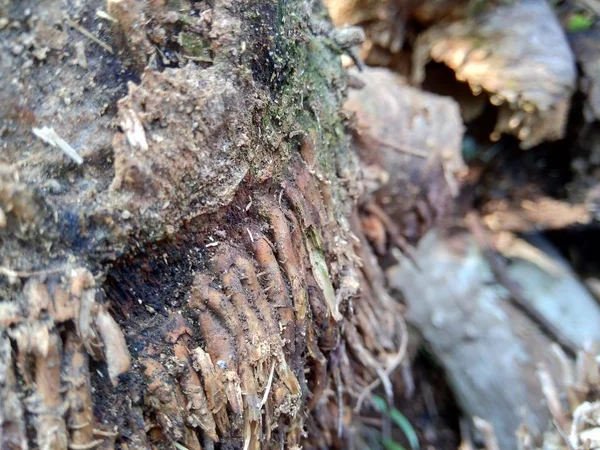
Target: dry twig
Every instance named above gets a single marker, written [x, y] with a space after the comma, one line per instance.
[395, 363]
[89, 35]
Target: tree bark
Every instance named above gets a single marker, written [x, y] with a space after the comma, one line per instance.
[191, 274]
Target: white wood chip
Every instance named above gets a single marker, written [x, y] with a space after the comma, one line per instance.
[49, 136]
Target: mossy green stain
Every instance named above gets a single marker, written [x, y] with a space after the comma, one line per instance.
[195, 46]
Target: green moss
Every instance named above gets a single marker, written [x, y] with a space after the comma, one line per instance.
[195, 47]
[308, 97]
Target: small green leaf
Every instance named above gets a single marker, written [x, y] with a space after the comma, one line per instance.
[580, 22]
[399, 420]
[380, 404]
[390, 444]
[402, 422]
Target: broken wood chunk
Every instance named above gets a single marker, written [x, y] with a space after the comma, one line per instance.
[214, 388]
[48, 405]
[83, 295]
[128, 17]
[464, 318]
[518, 54]
[552, 288]
[542, 213]
[383, 21]
[116, 353]
[165, 398]
[63, 309]
[38, 298]
[79, 397]
[416, 139]
[12, 416]
[200, 414]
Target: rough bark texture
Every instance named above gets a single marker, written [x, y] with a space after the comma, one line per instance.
[195, 280]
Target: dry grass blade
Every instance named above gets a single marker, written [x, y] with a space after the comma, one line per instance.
[89, 35]
[393, 365]
[552, 397]
[563, 435]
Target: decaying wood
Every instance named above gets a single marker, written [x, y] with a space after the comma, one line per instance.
[387, 23]
[531, 214]
[61, 416]
[544, 278]
[516, 53]
[574, 424]
[410, 142]
[12, 412]
[79, 396]
[482, 340]
[190, 282]
[489, 350]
